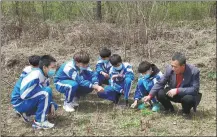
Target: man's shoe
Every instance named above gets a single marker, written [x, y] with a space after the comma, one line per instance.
[169, 111]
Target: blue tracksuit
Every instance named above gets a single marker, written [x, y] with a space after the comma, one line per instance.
[119, 85]
[25, 71]
[72, 81]
[30, 96]
[102, 67]
[145, 84]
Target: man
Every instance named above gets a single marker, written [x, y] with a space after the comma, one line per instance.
[183, 85]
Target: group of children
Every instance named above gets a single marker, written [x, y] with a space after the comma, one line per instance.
[32, 94]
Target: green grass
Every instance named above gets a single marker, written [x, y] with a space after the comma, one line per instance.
[62, 11]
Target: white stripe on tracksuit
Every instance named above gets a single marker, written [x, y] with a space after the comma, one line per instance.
[45, 103]
[45, 93]
[27, 91]
[66, 85]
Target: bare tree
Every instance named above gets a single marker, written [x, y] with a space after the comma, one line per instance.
[98, 11]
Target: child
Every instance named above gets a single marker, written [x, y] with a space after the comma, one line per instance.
[150, 74]
[103, 66]
[74, 79]
[121, 77]
[30, 97]
[34, 62]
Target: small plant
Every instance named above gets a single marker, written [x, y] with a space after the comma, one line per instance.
[212, 75]
[146, 112]
[134, 123]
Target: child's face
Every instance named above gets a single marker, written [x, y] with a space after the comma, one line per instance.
[50, 70]
[147, 72]
[118, 66]
[81, 65]
[106, 58]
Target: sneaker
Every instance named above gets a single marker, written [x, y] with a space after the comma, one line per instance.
[141, 106]
[75, 102]
[25, 118]
[156, 107]
[42, 125]
[68, 107]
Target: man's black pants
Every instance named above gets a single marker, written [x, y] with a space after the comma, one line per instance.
[187, 101]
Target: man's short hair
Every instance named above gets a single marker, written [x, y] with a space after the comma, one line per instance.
[180, 58]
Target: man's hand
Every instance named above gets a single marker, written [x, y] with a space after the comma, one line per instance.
[134, 104]
[172, 92]
[147, 98]
[98, 88]
[105, 75]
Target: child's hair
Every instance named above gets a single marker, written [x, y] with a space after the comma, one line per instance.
[115, 59]
[46, 61]
[82, 57]
[144, 66]
[34, 60]
[105, 53]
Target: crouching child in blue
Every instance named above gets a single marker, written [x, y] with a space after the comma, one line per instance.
[103, 66]
[121, 77]
[74, 79]
[31, 95]
[149, 75]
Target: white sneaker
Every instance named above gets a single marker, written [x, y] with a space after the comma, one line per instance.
[25, 118]
[75, 102]
[42, 125]
[68, 107]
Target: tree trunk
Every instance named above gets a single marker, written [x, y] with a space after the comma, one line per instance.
[98, 11]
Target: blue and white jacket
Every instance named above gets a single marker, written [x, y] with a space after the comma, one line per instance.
[101, 66]
[126, 72]
[28, 87]
[69, 71]
[148, 83]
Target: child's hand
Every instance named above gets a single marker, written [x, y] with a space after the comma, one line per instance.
[116, 76]
[99, 88]
[52, 111]
[134, 104]
[105, 75]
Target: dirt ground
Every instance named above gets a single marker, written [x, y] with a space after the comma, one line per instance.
[96, 116]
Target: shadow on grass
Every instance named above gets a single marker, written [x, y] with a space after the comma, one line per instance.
[92, 103]
[59, 121]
